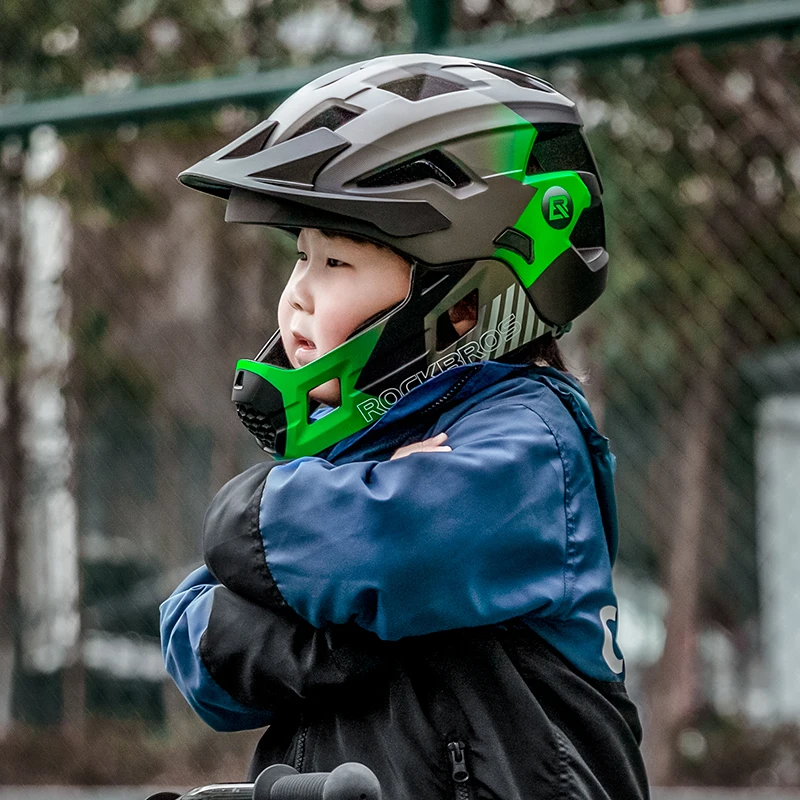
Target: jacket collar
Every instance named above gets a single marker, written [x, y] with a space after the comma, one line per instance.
[445, 391]
[409, 413]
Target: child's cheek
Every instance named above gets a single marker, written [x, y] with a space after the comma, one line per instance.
[283, 324]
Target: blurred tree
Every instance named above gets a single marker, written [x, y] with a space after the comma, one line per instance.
[747, 274]
[13, 472]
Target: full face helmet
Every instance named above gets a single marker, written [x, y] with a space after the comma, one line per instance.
[479, 174]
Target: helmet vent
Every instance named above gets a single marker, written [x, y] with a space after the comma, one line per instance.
[252, 142]
[463, 314]
[559, 147]
[433, 165]
[420, 87]
[331, 118]
[519, 78]
[259, 425]
[317, 410]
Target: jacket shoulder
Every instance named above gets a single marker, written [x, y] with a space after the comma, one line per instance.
[523, 391]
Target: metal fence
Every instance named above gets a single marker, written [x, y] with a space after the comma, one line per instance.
[127, 301]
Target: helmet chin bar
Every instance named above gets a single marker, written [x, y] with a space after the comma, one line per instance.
[260, 409]
[272, 401]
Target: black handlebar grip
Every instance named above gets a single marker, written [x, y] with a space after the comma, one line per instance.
[350, 781]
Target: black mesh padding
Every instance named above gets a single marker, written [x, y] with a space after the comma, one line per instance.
[432, 165]
[559, 147]
[418, 87]
[519, 78]
[331, 118]
[259, 425]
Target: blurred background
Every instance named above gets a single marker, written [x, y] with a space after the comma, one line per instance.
[125, 302]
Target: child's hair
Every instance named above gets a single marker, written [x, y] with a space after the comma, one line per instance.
[544, 352]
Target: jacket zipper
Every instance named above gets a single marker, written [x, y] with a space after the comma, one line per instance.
[300, 752]
[458, 769]
[453, 390]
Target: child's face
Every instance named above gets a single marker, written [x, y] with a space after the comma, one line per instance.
[336, 285]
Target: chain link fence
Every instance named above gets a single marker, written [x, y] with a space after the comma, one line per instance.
[131, 301]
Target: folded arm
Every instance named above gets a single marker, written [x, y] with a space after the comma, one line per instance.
[430, 542]
[239, 665]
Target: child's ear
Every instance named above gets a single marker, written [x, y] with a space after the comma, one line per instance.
[459, 319]
[464, 314]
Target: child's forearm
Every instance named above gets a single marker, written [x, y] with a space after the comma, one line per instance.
[272, 658]
[239, 664]
[184, 621]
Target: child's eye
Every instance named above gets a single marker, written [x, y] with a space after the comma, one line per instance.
[334, 262]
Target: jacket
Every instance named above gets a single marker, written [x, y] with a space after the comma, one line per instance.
[447, 619]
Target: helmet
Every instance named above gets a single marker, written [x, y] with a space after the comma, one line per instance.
[479, 174]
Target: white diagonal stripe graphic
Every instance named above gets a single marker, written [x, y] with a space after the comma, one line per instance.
[508, 309]
[519, 314]
[493, 318]
[529, 325]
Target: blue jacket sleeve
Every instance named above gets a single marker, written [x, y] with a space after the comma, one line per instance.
[184, 619]
[429, 542]
[241, 665]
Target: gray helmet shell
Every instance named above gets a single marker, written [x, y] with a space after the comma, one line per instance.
[319, 160]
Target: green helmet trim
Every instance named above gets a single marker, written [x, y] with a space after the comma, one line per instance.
[546, 222]
[344, 363]
[561, 197]
[512, 159]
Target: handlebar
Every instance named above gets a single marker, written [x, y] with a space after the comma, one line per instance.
[350, 781]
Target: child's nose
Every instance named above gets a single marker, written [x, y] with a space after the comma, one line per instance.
[300, 296]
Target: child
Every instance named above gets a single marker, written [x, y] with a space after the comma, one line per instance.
[422, 581]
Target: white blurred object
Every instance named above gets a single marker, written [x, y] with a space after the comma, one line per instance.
[380, 5]
[640, 629]
[720, 671]
[327, 25]
[778, 540]
[124, 657]
[49, 564]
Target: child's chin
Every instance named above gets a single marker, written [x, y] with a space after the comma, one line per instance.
[328, 393]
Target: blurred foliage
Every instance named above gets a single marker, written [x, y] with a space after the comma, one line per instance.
[105, 45]
[728, 751]
[108, 379]
[121, 752]
[101, 45]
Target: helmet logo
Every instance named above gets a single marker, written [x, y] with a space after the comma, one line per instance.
[557, 207]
